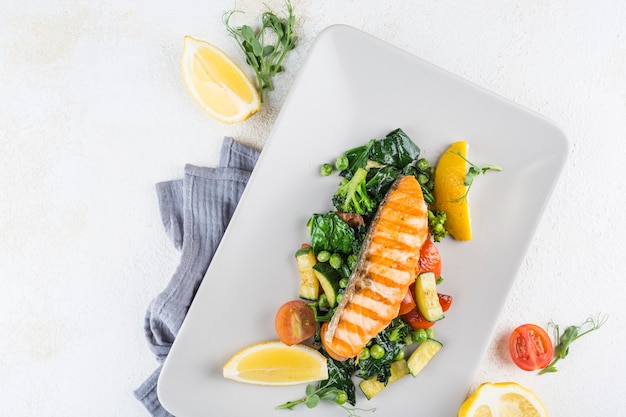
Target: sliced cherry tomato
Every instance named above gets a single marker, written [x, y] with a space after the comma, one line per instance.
[295, 322]
[408, 302]
[430, 260]
[446, 301]
[530, 347]
[416, 320]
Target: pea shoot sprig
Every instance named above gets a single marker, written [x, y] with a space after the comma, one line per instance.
[571, 333]
[472, 172]
[327, 393]
[265, 48]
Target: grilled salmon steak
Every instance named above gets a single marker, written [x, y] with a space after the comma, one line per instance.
[386, 267]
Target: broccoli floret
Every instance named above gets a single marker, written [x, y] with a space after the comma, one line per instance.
[352, 197]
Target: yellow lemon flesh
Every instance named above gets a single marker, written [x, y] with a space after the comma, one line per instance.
[502, 399]
[217, 83]
[450, 191]
[274, 363]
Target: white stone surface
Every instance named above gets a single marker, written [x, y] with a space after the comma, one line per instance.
[93, 113]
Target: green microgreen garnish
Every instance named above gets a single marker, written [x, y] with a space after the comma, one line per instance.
[472, 172]
[571, 333]
[265, 48]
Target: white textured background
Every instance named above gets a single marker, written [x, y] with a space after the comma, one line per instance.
[93, 112]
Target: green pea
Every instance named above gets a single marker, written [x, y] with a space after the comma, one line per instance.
[377, 351]
[420, 335]
[422, 164]
[342, 162]
[342, 397]
[430, 333]
[335, 260]
[343, 283]
[399, 356]
[326, 170]
[323, 256]
[365, 354]
[352, 261]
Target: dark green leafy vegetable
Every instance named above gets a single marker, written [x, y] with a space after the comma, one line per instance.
[330, 233]
[392, 341]
[378, 185]
[384, 159]
[571, 333]
[357, 158]
[265, 48]
[396, 149]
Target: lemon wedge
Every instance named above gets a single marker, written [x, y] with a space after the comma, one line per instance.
[450, 191]
[217, 83]
[502, 399]
[274, 363]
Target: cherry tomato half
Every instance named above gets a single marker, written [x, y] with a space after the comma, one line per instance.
[295, 322]
[408, 302]
[530, 347]
[430, 260]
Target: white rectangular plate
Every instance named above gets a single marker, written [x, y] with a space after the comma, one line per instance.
[352, 88]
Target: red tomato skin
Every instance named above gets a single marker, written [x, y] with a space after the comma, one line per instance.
[430, 259]
[446, 301]
[415, 319]
[295, 322]
[530, 347]
[408, 302]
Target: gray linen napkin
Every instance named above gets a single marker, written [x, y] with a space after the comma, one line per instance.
[195, 212]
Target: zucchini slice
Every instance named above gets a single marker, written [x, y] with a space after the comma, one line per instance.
[328, 278]
[309, 285]
[372, 386]
[426, 296]
[422, 355]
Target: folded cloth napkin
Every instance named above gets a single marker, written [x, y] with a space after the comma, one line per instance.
[195, 212]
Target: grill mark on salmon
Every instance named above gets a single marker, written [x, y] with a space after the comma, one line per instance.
[386, 267]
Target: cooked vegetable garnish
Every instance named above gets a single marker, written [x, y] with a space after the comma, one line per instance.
[265, 48]
[436, 220]
[370, 174]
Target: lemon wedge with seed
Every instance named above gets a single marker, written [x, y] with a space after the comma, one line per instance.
[275, 363]
[217, 83]
[502, 399]
[451, 192]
